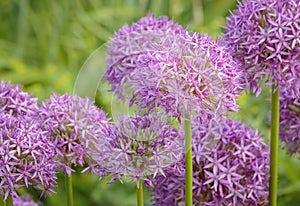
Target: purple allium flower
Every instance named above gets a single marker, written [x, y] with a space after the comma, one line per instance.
[264, 37]
[16, 101]
[139, 148]
[130, 43]
[24, 201]
[73, 122]
[26, 155]
[290, 122]
[230, 167]
[167, 66]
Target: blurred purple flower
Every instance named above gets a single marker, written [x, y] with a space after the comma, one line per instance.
[290, 122]
[230, 167]
[24, 201]
[139, 148]
[174, 69]
[264, 37]
[74, 123]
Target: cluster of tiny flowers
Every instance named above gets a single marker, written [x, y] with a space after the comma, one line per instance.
[139, 148]
[196, 74]
[289, 131]
[130, 43]
[183, 70]
[264, 37]
[73, 122]
[230, 167]
[14, 100]
[26, 151]
[24, 201]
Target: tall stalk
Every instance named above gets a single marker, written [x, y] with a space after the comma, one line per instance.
[188, 161]
[274, 147]
[140, 197]
[1, 200]
[69, 189]
[7, 202]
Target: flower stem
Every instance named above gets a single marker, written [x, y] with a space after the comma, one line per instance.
[7, 202]
[274, 147]
[69, 189]
[140, 198]
[188, 161]
[1, 200]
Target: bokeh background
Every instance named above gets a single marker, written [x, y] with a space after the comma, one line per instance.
[44, 44]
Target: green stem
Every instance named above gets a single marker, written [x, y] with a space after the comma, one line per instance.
[140, 198]
[188, 161]
[69, 189]
[274, 147]
[7, 202]
[1, 200]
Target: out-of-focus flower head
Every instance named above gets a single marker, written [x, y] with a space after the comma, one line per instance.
[74, 123]
[289, 131]
[139, 148]
[230, 167]
[178, 71]
[264, 38]
[24, 201]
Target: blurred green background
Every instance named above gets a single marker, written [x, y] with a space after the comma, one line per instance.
[44, 44]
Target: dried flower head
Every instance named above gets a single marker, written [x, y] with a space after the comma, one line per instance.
[27, 155]
[139, 148]
[264, 37]
[290, 122]
[183, 71]
[73, 123]
[230, 167]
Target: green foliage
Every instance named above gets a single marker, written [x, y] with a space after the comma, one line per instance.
[43, 45]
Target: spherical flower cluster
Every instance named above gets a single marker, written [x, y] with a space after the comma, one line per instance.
[73, 122]
[264, 37]
[290, 123]
[139, 148]
[26, 150]
[26, 155]
[182, 70]
[130, 43]
[14, 100]
[197, 75]
[230, 167]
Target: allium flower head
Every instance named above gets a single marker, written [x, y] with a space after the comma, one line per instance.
[16, 101]
[177, 71]
[130, 42]
[264, 37]
[230, 167]
[290, 122]
[139, 148]
[73, 123]
[26, 155]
